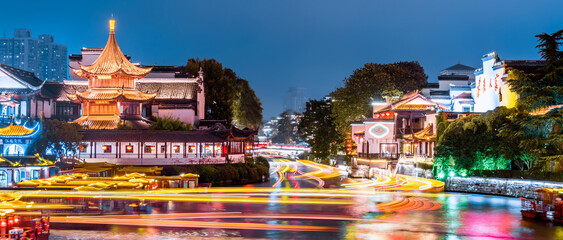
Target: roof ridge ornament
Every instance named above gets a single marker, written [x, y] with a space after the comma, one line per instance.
[111, 25]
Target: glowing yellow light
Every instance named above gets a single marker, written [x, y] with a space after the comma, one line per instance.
[111, 25]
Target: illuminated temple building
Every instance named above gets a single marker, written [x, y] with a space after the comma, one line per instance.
[111, 97]
[119, 92]
[402, 128]
[161, 91]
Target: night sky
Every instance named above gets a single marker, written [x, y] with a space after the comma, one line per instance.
[280, 44]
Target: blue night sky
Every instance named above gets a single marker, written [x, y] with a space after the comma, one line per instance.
[280, 44]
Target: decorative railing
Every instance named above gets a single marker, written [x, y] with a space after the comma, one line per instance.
[389, 156]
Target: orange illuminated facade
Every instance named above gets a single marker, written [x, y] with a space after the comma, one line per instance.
[111, 97]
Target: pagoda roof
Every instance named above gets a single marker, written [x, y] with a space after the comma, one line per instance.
[111, 122]
[20, 161]
[111, 61]
[13, 130]
[111, 94]
[426, 134]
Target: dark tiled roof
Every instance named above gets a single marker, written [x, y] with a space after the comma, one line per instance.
[431, 85]
[527, 66]
[28, 77]
[20, 91]
[166, 91]
[53, 90]
[169, 90]
[453, 77]
[150, 136]
[242, 133]
[210, 123]
[432, 92]
[460, 67]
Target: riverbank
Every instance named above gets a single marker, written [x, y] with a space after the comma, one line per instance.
[498, 186]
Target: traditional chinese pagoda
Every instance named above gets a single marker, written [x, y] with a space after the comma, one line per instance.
[111, 97]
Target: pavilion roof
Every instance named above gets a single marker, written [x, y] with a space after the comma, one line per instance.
[111, 94]
[111, 61]
[17, 130]
[410, 101]
[426, 134]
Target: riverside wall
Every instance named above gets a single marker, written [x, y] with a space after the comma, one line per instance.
[411, 170]
[498, 186]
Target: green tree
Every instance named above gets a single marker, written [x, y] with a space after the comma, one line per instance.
[61, 137]
[287, 128]
[544, 88]
[487, 142]
[318, 130]
[543, 134]
[247, 109]
[227, 97]
[369, 83]
[219, 88]
[168, 123]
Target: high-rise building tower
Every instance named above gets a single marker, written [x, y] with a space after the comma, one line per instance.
[42, 56]
[295, 99]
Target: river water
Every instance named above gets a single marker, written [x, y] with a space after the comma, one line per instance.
[462, 216]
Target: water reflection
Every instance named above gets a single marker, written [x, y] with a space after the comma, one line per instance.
[462, 216]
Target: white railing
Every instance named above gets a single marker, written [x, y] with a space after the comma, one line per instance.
[161, 161]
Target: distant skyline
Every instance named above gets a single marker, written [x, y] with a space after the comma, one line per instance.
[276, 45]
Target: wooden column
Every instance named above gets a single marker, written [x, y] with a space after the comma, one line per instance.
[156, 149]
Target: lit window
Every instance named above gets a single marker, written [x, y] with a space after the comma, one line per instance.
[149, 148]
[83, 148]
[176, 148]
[129, 148]
[106, 148]
[192, 149]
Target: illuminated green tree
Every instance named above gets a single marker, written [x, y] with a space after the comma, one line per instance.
[318, 130]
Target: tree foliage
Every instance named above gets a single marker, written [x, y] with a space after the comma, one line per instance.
[227, 97]
[539, 90]
[60, 137]
[170, 124]
[369, 83]
[486, 142]
[287, 128]
[318, 129]
[247, 108]
[544, 88]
